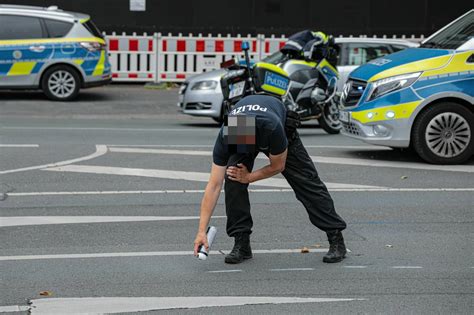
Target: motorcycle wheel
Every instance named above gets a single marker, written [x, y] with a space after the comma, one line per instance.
[329, 119]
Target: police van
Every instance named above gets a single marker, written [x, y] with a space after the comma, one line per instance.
[419, 97]
[57, 51]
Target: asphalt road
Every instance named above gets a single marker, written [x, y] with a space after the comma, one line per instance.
[99, 201]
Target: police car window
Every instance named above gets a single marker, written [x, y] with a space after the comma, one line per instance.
[92, 28]
[396, 48]
[57, 28]
[20, 27]
[358, 54]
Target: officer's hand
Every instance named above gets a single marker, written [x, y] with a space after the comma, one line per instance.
[238, 173]
[201, 239]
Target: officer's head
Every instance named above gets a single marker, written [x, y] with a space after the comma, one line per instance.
[240, 133]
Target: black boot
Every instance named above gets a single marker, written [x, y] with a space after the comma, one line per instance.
[241, 249]
[337, 248]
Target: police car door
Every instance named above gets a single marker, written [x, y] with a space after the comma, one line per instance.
[23, 50]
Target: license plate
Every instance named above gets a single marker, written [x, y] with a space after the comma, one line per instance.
[345, 116]
[237, 89]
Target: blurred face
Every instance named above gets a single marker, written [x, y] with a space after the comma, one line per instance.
[239, 134]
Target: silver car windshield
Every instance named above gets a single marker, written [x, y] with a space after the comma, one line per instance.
[454, 35]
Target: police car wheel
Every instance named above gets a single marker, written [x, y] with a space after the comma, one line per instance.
[61, 83]
[329, 119]
[443, 134]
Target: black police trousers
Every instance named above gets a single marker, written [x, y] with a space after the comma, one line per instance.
[303, 179]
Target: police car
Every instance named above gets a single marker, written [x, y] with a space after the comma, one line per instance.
[419, 97]
[57, 51]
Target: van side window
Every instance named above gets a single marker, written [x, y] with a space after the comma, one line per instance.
[57, 28]
[20, 27]
[470, 59]
[361, 53]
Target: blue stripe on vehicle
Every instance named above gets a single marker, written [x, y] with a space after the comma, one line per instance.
[4, 68]
[403, 96]
[437, 79]
[37, 67]
[465, 86]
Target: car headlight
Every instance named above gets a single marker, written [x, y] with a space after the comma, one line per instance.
[385, 86]
[204, 85]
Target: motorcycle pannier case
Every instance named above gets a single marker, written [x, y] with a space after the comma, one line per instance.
[270, 79]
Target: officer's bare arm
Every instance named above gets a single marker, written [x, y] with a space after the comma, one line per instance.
[241, 174]
[211, 195]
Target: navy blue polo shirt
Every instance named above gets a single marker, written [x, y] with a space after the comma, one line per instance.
[270, 116]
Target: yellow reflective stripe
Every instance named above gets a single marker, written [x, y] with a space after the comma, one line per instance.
[401, 111]
[99, 68]
[457, 64]
[273, 89]
[420, 65]
[50, 40]
[325, 63]
[271, 67]
[302, 62]
[85, 20]
[78, 61]
[21, 68]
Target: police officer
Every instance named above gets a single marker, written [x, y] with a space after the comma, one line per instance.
[234, 153]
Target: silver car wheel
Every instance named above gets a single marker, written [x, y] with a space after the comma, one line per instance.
[61, 84]
[448, 135]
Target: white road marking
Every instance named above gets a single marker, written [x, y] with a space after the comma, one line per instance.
[111, 305]
[100, 150]
[19, 146]
[177, 175]
[321, 159]
[390, 164]
[407, 267]
[355, 267]
[46, 220]
[225, 271]
[200, 191]
[14, 308]
[293, 269]
[111, 129]
[148, 254]
[360, 147]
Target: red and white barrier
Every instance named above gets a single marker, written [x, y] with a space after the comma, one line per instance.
[158, 58]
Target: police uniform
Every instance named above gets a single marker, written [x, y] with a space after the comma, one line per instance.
[273, 138]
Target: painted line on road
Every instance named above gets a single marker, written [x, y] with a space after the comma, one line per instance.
[111, 305]
[14, 308]
[19, 146]
[361, 147]
[47, 220]
[178, 175]
[100, 150]
[355, 267]
[321, 159]
[148, 254]
[200, 191]
[193, 130]
[293, 269]
[407, 267]
[225, 271]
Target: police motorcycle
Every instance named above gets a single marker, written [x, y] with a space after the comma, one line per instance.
[242, 80]
[303, 70]
[313, 74]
